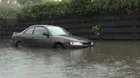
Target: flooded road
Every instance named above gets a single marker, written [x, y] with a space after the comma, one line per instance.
[108, 59]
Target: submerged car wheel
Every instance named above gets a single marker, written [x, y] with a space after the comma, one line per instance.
[19, 45]
[59, 46]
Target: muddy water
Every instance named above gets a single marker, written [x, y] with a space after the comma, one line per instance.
[108, 59]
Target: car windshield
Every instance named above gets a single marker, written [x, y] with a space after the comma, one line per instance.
[58, 31]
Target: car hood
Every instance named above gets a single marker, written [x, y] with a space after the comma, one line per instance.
[75, 38]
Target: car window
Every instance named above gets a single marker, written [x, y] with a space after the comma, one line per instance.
[40, 30]
[29, 31]
[58, 31]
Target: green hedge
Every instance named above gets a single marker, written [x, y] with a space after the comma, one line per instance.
[50, 9]
[8, 11]
[43, 10]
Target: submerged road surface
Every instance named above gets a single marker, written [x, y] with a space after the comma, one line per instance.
[108, 59]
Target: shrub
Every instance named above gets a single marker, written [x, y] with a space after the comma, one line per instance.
[42, 9]
[8, 11]
[96, 29]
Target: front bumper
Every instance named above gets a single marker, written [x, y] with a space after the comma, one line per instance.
[80, 46]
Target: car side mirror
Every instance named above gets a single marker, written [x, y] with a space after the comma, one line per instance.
[46, 34]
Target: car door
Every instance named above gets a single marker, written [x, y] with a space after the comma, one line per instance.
[40, 39]
[28, 36]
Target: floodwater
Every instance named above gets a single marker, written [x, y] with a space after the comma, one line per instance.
[107, 59]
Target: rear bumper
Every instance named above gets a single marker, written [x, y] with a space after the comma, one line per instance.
[12, 43]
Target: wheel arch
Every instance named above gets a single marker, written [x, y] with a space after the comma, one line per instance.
[18, 41]
[56, 43]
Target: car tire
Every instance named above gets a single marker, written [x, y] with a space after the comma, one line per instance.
[19, 45]
[59, 46]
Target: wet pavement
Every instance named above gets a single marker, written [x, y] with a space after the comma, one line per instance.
[108, 59]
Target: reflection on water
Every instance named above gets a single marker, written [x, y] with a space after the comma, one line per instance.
[108, 59]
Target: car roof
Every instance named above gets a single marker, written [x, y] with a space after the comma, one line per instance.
[44, 25]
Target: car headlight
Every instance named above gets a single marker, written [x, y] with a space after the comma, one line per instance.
[76, 43]
[92, 43]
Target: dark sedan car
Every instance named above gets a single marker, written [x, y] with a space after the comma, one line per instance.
[48, 36]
